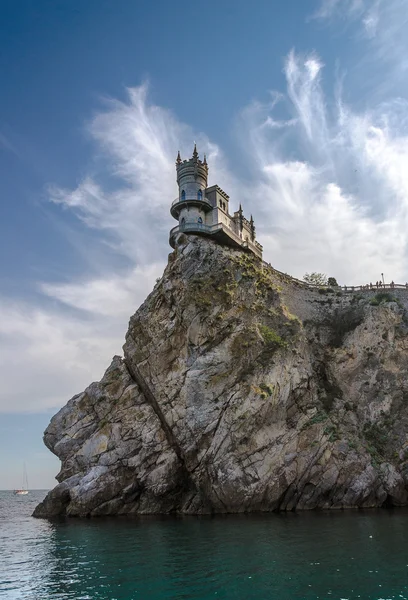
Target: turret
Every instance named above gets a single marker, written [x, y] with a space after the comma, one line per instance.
[192, 176]
[191, 204]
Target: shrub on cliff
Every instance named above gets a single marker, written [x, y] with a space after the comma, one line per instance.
[382, 298]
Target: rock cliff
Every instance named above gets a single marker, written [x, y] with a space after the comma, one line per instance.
[240, 390]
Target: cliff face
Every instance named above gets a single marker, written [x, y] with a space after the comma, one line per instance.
[240, 391]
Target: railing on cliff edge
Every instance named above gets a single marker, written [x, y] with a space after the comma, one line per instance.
[349, 289]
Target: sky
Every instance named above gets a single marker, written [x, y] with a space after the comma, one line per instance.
[301, 107]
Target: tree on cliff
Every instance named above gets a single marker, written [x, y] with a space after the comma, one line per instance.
[315, 278]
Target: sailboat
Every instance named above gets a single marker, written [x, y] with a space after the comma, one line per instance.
[24, 490]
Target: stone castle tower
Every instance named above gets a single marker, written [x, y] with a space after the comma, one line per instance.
[204, 210]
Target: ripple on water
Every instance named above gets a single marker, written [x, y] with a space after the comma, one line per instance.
[343, 556]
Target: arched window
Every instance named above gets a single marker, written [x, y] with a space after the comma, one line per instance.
[200, 195]
[183, 195]
[223, 205]
[182, 223]
[199, 221]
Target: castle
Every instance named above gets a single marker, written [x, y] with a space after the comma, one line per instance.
[204, 210]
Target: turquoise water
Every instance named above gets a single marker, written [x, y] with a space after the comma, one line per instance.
[283, 557]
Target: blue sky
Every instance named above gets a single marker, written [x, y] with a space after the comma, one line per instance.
[300, 106]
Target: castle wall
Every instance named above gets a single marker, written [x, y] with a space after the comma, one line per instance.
[217, 197]
[246, 231]
[219, 216]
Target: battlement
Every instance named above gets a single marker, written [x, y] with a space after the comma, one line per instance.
[193, 168]
[216, 188]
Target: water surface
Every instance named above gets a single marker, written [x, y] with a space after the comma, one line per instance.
[284, 557]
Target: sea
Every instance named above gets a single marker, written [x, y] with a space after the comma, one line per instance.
[325, 555]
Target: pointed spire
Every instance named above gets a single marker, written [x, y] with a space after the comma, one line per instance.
[195, 153]
[241, 217]
[178, 159]
[205, 160]
[251, 223]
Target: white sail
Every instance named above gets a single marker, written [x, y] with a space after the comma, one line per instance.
[24, 489]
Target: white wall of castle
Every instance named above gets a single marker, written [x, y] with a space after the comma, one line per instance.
[219, 216]
[246, 231]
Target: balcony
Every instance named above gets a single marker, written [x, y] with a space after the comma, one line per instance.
[178, 204]
[194, 227]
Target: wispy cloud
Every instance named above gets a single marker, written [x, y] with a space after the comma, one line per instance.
[383, 23]
[330, 9]
[340, 191]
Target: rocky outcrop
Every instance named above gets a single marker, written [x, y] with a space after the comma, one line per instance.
[240, 390]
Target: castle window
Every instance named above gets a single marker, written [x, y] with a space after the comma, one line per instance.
[223, 205]
[182, 223]
[199, 221]
[200, 195]
[183, 195]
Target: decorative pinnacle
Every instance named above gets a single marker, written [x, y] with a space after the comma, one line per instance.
[195, 153]
[251, 220]
[178, 160]
[205, 160]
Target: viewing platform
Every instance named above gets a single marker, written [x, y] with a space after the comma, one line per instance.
[340, 289]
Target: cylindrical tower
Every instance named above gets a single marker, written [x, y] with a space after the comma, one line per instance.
[191, 206]
[192, 175]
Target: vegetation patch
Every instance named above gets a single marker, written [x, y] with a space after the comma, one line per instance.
[332, 432]
[355, 298]
[251, 268]
[242, 342]
[271, 338]
[267, 390]
[382, 298]
[286, 312]
[319, 417]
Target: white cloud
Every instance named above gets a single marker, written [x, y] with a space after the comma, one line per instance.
[114, 297]
[47, 356]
